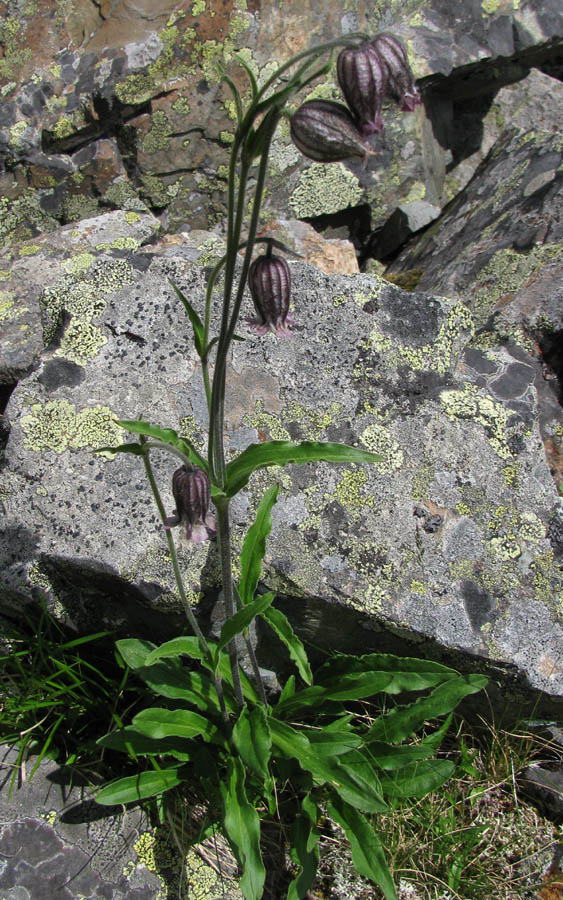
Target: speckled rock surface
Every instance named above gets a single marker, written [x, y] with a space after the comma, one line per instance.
[56, 842]
[453, 540]
[105, 105]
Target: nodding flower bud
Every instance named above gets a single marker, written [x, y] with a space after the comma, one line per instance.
[362, 77]
[401, 86]
[269, 281]
[191, 491]
[326, 132]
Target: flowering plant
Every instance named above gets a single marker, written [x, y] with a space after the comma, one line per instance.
[301, 754]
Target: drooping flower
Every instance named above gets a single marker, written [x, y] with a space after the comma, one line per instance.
[326, 132]
[269, 280]
[191, 491]
[400, 84]
[362, 76]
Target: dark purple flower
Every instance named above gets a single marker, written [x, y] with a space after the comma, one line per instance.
[401, 86]
[362, 77]
[191, 491]
[326, 132]
[269, 281]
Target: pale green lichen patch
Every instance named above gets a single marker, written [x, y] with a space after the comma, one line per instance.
[505, 273]
[57, 426]
[438, 356]
[377, 439]
[483, 409]
[323, 189]
[78, 263]
[349, 490]
[81, 342]
[7, 309]
[158, 136]
[82, 294]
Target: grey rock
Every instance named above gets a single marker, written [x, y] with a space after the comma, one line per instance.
[369, 364]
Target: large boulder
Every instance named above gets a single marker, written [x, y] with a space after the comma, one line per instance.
[449, 545]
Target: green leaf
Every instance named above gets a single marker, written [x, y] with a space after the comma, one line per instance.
[167, 436]
[304, 853]
[187, 645]
[177, 683]
[242, 619]
[241, 825]
[288, 689]
[349, 687]
[127, 740]
[409, 674]
[134, 652]
[367, 852]
[390, 756]
[251, 737]
[197, 324]
[138, 787]
[280, 453]
[358, 786]
[418, 778]
[254, 546]
[136, 449]
[401, 722]
[332, 743]
[279, 622]
[190, 646]
[162, 723]
[253, 84]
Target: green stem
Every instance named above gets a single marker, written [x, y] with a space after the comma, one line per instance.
[224, 541]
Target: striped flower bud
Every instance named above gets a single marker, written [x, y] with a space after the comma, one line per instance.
[326, 132]
[191, 491]
[401, 86]
[269, 281]
[362, 77]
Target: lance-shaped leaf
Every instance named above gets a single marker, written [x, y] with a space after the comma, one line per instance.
[241, 825]
[135, 651]
[280, 453]
[254, 546]
[304, 853]
[127, 740]
[409, 674]
[197, 324]
[190, 646]
[166, 436]
[135, 448]
[242, 619]
[251, 737]
[367, 852]
[356, 784]
[138, 787]
[401, 722]
[350, 687]
[279, 623]
[162, 723]
[418, 778]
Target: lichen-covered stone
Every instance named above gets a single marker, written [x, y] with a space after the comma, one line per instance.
[450, 538]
